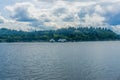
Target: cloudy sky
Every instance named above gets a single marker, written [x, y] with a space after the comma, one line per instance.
[52, 14]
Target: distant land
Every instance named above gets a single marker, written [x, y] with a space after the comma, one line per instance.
[70, 34]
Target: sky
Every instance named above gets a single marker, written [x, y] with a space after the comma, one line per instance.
[30, 15]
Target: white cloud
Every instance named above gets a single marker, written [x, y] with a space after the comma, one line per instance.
[18, 26]
[47, 14]
[15, 25]
[60, 14]
[3, 20]
[23, 11]
[116, 28]
[94, 20]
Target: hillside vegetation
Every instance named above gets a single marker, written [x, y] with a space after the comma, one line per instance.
[70, 34]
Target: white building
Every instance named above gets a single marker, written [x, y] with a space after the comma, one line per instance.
[62, 40]
[51, 40]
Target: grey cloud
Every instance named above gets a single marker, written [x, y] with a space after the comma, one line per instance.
[112, 13]
[59, 11]
[40, 25]
[68, 19]
[66, 0]
[50, 1]
[1, 21]
[114, 19]
[82, 13]
[21, 14]
[63, 14]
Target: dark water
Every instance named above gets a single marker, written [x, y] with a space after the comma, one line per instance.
[60, 61]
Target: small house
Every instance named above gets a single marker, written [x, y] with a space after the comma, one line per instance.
[62, 40]
[51, 40]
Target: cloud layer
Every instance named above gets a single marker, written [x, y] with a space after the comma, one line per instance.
[53, 14]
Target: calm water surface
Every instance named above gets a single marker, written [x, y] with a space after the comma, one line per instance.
[60, 61]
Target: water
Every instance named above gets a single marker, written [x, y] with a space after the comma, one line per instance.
[60, 61]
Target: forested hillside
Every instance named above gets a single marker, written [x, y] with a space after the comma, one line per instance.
[70, 34]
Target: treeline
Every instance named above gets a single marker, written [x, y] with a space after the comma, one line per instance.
[70, 34]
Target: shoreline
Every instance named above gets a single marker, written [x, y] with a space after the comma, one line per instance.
[64, 42]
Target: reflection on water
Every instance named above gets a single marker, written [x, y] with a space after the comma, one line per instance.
[60, 61]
